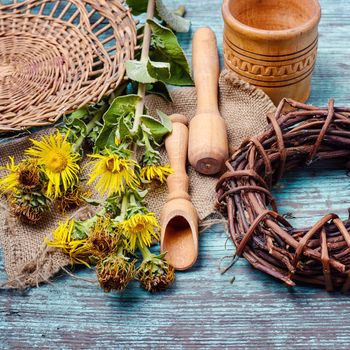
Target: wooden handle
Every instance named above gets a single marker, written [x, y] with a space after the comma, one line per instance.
[176, 146]
[208, 147]
[205, 62]
[179, 219]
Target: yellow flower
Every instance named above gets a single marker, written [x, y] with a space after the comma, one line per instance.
[78, 250]
[140, 229]
[11, 181]
[113, 172]
[156, 172]
[25, 175]
[58, 162]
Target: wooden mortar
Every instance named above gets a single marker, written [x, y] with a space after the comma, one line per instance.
[208, 147]
[272, 44]
[179, 219]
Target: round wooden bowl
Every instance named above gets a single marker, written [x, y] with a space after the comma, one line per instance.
[272, 44]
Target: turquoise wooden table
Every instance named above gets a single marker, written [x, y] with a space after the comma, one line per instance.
[203, 309]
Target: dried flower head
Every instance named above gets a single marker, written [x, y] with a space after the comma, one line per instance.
[156, 172]
[155, 273]
[29, 174]
[140, 229]
[26, 214]
[72, 198]
[115, 272]
[113, 173]
[29, 206]
[102, 239]
[58, 161]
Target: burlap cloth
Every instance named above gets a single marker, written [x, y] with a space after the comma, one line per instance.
[28, 262]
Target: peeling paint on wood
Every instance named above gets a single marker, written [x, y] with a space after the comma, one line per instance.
[203, 310]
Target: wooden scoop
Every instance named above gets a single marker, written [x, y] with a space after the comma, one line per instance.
[208, 146]
[179, 219]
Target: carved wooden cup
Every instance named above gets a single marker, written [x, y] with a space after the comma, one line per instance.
[272, 44]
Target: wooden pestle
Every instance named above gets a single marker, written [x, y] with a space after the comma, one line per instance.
[208, 146]
[179, 219]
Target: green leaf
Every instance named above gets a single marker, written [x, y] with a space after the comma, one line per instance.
[79, 125]
[80, 113]
[124, 132]
[80, 231]
[138, 71]
[175, 22]
[158, 70]
[121, 107]
[147, 72]
[137, 6]
[139, 194]
[95, 132]
[155, 128]
[113, 205]
[159, 88]
[106, 138]
[166, 48]
[165, 120]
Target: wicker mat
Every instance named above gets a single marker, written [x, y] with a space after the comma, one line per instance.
[28, 262]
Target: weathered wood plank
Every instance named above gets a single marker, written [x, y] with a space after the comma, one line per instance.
[204, 310]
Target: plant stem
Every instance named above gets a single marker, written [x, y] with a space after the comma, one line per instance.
[89, 127]
[124, 207]
[97, 117]
[133, 200]
[146, 253]
[141, 91]
[147, 143]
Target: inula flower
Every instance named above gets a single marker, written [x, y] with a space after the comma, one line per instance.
[77, 249]
[155, 274]
[115, 272]
[140, 229]
[10, 181]
[156, 172]
[113, 173]
[72, 198]
[23, 186]
[102, 239]
[59, 162]
[29, 205]
[28, 174]
[25, 175]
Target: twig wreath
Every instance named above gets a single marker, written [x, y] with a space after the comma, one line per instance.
[318, 255]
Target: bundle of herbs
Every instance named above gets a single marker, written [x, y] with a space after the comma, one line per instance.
[124, 161]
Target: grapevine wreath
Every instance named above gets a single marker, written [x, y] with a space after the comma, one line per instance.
[318, 255]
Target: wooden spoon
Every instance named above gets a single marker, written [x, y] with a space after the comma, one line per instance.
[179, 219]
[208, 146]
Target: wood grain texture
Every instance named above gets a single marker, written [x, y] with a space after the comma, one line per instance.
[270, 59]
[207, 140]
[203, 310]
[179, 217]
